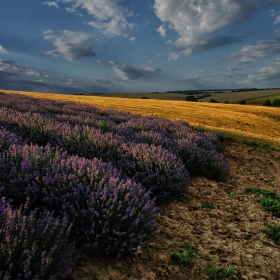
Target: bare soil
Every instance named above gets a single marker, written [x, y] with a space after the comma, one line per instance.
[231, 231]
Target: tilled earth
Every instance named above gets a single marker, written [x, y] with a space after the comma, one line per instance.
[223, 220]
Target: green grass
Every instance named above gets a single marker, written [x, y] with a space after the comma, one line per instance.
[214, 271]
[272, 232]
[209, 205]
[185, 258]
[262, 99]
[225, 272]
[270, 200]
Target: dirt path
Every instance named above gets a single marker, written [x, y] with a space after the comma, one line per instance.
[229, 231]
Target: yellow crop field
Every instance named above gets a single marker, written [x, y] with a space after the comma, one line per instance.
[257, 122]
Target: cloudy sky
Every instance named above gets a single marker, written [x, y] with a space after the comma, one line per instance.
[71, 46]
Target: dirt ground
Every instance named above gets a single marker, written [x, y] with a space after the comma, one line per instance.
[221, 218]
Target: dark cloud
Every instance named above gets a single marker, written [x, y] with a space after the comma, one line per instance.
[215, 42]
[70, 45]
[126, 72]
[197, 82]
[6, 61]
[14, 81]
[270, 3]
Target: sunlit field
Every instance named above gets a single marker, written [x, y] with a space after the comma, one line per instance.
[253, 122]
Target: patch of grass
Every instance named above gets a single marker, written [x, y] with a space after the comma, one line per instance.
[272, 232]
[270, 200]
[248, 236]
[227, 188]
[264, 192]
[270, 204]
[209, 205]
[184, 200]
[185, 257]
[216, 273]
[270, 183]
[263, 151]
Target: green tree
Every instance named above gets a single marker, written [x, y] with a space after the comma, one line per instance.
[267, 102]
[276, 103]
[214, 101]
[191, 98]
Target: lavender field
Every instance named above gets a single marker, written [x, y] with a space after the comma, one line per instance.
[76, 176]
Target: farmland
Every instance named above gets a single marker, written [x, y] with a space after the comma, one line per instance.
[229, 96]
[235, 97]
[254, 122]
[211, 229]
[261, 100]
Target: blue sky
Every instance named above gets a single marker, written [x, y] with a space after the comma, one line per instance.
[73, 46]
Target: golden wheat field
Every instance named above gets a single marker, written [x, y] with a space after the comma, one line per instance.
[253, 122]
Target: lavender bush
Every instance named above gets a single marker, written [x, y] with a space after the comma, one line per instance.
[22, 165]
[123, 215]
[102, 169]
[92, 132]
[155, 168]
[33, 245]
[7, 138]
[90, 192]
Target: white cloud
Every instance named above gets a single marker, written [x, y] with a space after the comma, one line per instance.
[251, 53]
[3, 50]
[10, 66]
[173, 55]
[266, 76]
[113, 27]
[70, 45]
[197, 20]
[199, 82]
[162, 31]
[125, 72]
[276, 15]
[108, 15]
[52, 3]
[277, 20]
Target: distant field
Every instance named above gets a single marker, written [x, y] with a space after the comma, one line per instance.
[260, 100]
[161, 96]
[256, 122]
[233, 97]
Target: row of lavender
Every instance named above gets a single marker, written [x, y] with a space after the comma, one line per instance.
[105, 210]
[101, 170]
[91, 132]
